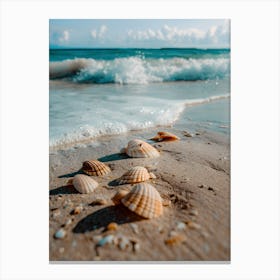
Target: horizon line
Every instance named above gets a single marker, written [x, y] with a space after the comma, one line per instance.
[122, 48]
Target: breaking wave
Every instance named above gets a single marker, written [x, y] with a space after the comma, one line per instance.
[136, 70]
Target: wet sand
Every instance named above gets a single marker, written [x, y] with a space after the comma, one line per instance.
[193, 174]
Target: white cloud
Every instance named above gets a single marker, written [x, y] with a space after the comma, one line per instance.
[99, 33]
[64, 36]
[171, 34]
[93, 34]
[59, 37]
[102, 30]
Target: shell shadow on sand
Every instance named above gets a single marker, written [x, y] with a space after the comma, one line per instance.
[72, 174]
[101, 218]
[113, 157]
[64, 190]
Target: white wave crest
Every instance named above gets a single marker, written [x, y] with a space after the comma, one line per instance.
[135, 70]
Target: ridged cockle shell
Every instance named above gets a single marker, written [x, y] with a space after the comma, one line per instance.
[136, 174]
[144, 200]
[84, 183]
[95, 168]
[139, 149]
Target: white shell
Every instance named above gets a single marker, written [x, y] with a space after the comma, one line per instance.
[139, 149]
[84, 183]
[144, 200]
[134, 175]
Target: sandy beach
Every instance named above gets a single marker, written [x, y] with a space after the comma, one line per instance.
[192, 174]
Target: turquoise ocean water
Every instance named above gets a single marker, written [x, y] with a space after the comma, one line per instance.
[95, 92]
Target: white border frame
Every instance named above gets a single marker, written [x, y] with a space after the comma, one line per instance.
[255, 138]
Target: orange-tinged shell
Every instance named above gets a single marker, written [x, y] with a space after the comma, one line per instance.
[139, 149]
[165, 136]
[84, 183]
[95, 168]
[175, 239]
[144, 200]
[136, 174]
[120, 194]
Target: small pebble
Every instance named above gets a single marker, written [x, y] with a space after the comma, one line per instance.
[56, 213]
[77, 210]
[134, 228]
[97, 238]
[175, 238]
[61, 250]
[136, 247]
[160, 229]
[68, 222]
[112, 226]
[123, 243]
[67, 203]
[107, 239]
[60, 234]
[193, 225]
[197, 133]
[181, 226]
[206, 248]
[193, 212]
[201, 186]
[187, 134]
[99, 202]
[210, 189]
[166, 202]
[204, 234]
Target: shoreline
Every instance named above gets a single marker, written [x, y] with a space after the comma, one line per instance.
[188, 117]
[193, 173]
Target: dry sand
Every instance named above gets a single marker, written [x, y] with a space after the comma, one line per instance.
[193, 173]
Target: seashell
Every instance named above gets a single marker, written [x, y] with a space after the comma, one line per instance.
[139, 149]
[95, 168]
[136, 174]
[118, 196]
[144, 200]
[165, 136]
[112, 226]
[84, 183]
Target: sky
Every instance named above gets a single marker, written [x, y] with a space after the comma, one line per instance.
[141, 33]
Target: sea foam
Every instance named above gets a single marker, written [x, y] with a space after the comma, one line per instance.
[136, 70]
[150, 112]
